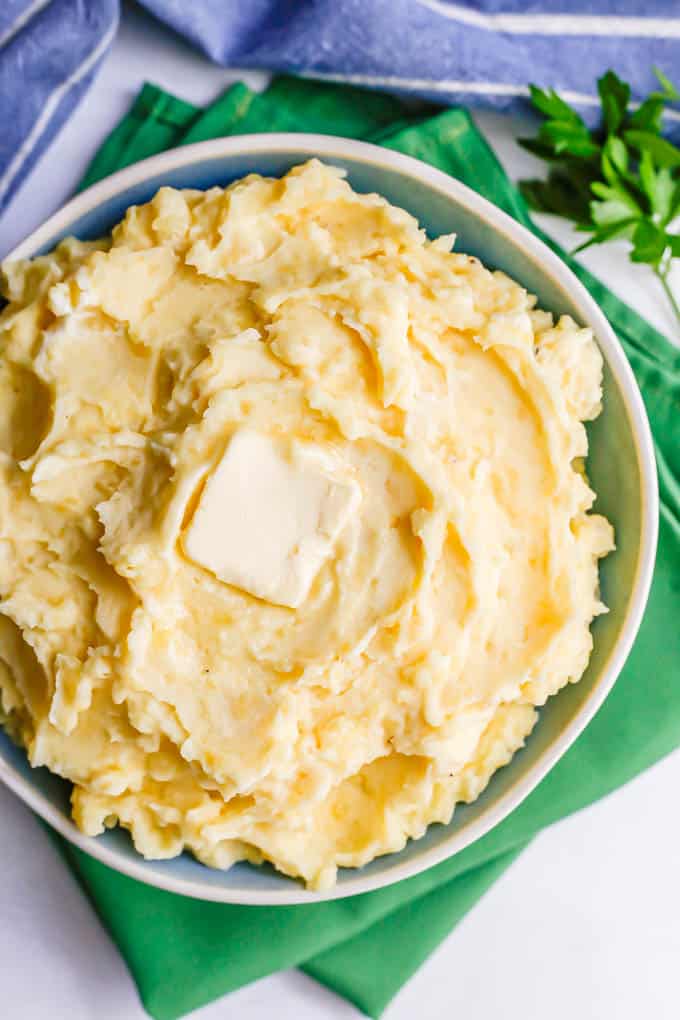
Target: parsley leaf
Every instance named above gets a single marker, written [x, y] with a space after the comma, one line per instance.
[648, 115]
[621, 180]
[668, 89]
[614, 96]
[664, 152]
[559, 194]
[659, 186]
[550, 104]
[649, 243]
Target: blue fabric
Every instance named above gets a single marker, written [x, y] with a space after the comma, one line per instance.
[476, 52]
[49, 54]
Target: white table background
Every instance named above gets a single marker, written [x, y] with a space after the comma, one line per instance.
[585, 924]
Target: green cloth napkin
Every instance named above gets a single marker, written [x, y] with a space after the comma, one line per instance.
[184, 953]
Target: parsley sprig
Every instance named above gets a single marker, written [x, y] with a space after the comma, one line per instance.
[621, 180]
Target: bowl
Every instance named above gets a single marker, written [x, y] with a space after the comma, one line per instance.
[621, 467]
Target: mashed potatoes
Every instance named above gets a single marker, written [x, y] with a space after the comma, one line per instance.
[293, 522]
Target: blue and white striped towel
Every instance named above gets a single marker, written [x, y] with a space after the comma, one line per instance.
[480, 52]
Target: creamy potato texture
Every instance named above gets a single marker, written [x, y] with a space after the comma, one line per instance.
[318, 691]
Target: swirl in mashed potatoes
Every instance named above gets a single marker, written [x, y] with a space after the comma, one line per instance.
[294, 530]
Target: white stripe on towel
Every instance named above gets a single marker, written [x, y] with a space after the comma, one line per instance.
[619, 25]
[24, 18]
[475, 88]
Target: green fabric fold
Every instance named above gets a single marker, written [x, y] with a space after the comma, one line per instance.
[183, 953]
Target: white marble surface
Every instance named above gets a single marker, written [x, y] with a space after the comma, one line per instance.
[585, 924]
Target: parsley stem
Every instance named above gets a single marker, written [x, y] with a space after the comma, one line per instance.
[663, 277]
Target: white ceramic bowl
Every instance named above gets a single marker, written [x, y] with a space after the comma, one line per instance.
[621, 468]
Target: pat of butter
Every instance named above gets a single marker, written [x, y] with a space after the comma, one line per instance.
[267, 522]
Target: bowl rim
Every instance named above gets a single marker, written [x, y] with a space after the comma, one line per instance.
[328, 147]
